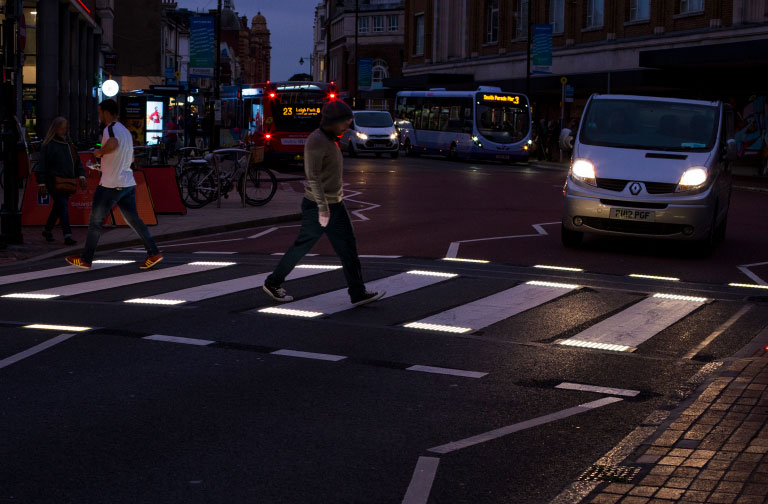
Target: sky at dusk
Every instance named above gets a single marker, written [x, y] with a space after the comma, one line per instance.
[290, 23]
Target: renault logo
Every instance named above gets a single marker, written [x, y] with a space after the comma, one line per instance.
[635, 188]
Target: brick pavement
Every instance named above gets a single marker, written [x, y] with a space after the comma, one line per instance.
[715, 451]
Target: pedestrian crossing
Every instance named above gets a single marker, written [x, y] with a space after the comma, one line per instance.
[626, 330]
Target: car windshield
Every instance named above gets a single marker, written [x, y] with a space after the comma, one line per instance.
[650, 125]
[502, 122]
[373, 119]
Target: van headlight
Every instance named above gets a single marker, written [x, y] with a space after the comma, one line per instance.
[393, 136]
[693, 178]
[361, 135]
[584, 171]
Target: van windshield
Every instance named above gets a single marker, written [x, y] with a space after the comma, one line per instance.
[373, 119]
[650, 125]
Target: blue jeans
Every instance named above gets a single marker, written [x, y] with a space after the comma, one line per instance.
[103, 200]
[60, 212]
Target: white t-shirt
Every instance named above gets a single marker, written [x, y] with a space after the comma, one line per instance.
[116, 166]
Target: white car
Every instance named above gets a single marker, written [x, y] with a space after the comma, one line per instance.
[371, 131]
[651, 167]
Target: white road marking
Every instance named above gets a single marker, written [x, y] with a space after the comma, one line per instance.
[305, 255]
[720, 330]
[262, 233]
[338, 301]
[598, 389]
[494, 308]
[123, 280]
[179, 339]
[639, 322]
[47, 273]
[421, 481]
[33, 350]
[309, 355]
[133, 251]
[453, 248]
[745, 269]
[214, 252]
[374, 256]
[162, 246]
[359, 213]
[446, 371]
[223, 288]
[527, 424]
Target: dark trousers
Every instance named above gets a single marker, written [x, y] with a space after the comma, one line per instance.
[103, 200]
[60, 212]
[341, 236]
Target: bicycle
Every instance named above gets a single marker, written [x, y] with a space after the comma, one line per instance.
[206, 180]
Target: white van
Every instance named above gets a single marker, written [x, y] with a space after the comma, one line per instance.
[371, 131]
[651, 167]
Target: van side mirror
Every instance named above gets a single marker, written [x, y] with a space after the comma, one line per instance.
[566, 140]
[731, 150]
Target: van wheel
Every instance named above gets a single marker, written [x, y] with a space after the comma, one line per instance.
[703, 248]
[570, 238]
[352, 151]
[720, 230]
[378, 154]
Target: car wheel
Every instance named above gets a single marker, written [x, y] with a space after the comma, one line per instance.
[352, 151]
[570, 238]
[378, 154]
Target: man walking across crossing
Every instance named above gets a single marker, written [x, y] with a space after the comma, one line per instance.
[322, 209]
[117, 187]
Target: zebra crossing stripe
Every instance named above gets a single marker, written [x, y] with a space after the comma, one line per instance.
[338, 301]
[629, 328]
[64, 270]
[492, 309]
[135, 278]
[217, 289]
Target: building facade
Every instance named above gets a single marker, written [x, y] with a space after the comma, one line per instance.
[246, 59]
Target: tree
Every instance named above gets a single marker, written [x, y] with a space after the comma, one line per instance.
[301, 77]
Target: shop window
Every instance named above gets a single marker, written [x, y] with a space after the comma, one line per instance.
[595, 13]
[557, 15]
[639, 10]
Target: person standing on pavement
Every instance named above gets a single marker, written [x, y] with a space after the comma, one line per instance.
[117, 187]
[323, 211]
[58, 158]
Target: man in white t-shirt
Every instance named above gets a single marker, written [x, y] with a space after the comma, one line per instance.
[117, 187]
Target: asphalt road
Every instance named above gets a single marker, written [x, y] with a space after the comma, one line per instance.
[211, 400]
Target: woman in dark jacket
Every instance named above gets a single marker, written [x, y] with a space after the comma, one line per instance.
[58, 158]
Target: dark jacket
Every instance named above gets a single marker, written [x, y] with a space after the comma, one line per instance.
[58, 159]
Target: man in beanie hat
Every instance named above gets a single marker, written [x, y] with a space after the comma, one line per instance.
[322, 209]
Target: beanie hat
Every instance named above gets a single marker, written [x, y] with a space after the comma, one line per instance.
[335, 111]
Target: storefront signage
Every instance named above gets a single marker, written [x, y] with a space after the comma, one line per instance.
[502, 98]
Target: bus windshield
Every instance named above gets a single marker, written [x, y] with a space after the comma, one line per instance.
[650, 125]
[298, 111]
[502, 118]
[374, 119]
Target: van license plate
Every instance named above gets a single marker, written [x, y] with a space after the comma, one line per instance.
[502, 156]
[634, 215]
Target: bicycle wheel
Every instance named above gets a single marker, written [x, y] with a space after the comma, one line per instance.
[260, 186]
[200, 187]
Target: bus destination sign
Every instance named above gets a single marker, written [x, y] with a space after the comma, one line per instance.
[301, 111]
[501, 98]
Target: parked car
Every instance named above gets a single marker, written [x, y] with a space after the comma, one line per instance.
[371, 131]
[651, 167]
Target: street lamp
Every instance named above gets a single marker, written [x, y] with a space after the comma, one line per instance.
[301, 62]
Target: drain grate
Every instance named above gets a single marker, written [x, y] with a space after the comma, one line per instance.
[614, 474]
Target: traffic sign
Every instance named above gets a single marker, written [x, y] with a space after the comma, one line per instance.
[563, 80]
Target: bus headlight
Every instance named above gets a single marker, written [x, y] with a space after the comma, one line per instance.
[584, 171]
[361, 135]
[693, 178]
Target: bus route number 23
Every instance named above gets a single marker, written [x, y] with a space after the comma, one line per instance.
[287, 111]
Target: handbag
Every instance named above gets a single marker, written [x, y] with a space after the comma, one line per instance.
[66, 185]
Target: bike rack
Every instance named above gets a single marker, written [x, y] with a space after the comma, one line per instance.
[238, 155]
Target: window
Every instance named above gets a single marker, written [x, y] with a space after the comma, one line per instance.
[378, 23]
[362, 25]
[522, 19]
[492, 21]
[639, 10]
[691, 6]
[557, 15]
[394, 23]
[380, 72]
[594, 13]
[418, 41]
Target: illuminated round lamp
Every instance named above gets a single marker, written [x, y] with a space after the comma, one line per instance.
[110, 88]
[190, 99]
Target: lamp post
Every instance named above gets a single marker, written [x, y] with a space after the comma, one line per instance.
[357, 59]
[301, 62]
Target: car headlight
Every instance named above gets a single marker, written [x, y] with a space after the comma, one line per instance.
[361, 135]
[393, 136]
[584, 171]
[693, 178]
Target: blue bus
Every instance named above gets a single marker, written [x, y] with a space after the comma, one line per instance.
[482, 124]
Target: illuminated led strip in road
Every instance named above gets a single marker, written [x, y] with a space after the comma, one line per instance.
[677, 297]
[438, 327]
[552, 284]
[560, 268]
[30, 296]
[52, 327]
[654, 277]
[318, 266]
[211, 263]
[52, 272]
[112, 261]
[458, 259]
[750, 286]
[598, 346]
[432, 273]
[151, 301]
[291, 312]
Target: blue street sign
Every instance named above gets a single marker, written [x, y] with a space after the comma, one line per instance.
[542, 49]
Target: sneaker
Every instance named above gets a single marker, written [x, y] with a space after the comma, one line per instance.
[48, 236]
[151, 261]
[78, 262]
[368, 297]
[69, 241]
[277, 293]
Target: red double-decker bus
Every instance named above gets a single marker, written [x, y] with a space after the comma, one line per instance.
[281, 115]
